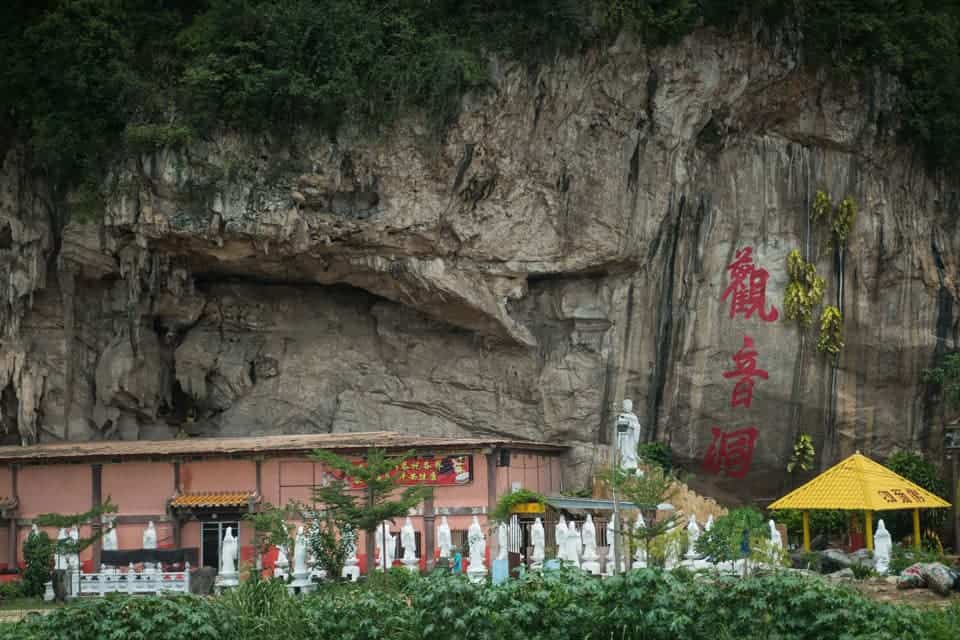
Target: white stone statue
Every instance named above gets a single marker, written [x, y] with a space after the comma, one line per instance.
[574, 544]
[882, 547]
[408, 538]
[73, 559]
[539, 538]
[693, 534]
[110, 542]
[60, 557]
[630, 439]
[709, 524]
[611, 534]
[444, 539]
[640, 556]
[228, 553]
[282, 563]
[384, 537]
[560, 535]
[776, 544]
[478, 549]
[351, 566]
[150, 536]
[588, 534]
[503, 541]
[300, 570]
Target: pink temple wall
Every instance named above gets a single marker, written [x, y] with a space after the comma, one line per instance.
[218, 475]
[6, 482]
[138, 488]
[60, 488]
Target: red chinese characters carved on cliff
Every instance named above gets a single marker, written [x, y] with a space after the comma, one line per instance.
[731, 452]
[746, 370]
[748, 288]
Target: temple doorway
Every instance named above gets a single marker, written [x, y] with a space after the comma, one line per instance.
[211, 537]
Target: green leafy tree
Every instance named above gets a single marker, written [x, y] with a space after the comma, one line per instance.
[646, 491]
[947, 377]
[93, 518]
[38, 557]
[724, 540]
[270, 530]
[380, 499]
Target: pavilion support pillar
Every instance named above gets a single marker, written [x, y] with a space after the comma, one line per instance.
[916, 528]
[868, 528]
[806, 531]
[428, 531]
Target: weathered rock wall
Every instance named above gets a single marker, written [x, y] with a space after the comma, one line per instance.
[565, 246]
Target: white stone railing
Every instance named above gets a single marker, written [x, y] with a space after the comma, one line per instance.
[134, 582]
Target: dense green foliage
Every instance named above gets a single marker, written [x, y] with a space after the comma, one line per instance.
[723, 541]
[506, 503]
[917, 469]
[946, 376]
[822, 522]
[38, 557]
[85, 80]
[658, 453]
[643, 604]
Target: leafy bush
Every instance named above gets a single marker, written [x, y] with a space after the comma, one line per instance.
[38, 557]
[724, 540]
[506, 503]
[657, 453]
[11, 590]
[826, 522]
[641, 604]
[917, 469]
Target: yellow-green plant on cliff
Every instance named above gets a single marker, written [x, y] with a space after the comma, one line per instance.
[821, 207]
[843, 217]
[803, 452]
[831, 331]
[804, 291]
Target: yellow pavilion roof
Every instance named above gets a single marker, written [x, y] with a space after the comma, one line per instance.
[859, 483]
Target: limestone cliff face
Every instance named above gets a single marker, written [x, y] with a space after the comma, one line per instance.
[565, 246]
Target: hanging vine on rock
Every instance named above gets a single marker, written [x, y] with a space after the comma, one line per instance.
[803, 453]
[804, 292]
[831, 331]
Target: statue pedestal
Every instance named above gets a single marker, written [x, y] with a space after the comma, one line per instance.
[227, 580]
[280, 570]
[48, 594]
[477, 573]
[411, 564]
[639, 563]
[591, 566]
[351, 571]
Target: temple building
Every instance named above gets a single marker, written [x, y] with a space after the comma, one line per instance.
[194, 489]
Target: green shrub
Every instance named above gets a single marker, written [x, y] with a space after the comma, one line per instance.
[657, 453]
[11, 590]
[917, 469]
[825, 522]
[724, 540]
[38, 557]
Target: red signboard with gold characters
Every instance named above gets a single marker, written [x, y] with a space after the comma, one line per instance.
[434, 471]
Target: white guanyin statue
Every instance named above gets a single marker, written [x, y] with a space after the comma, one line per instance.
[640, 556]
[882, 547]
[478, 544]
[709, 524]
[574, 544]
[560, 535]
[60, 557]
[408, 538]
[693, 534]
[444, 538]
[228, 553]
[110, 537]
[300, 569]
[150, 536]
[775, 538]
[386, 544]
[630, 439]
[539, 539]
[503, 541]
[589, 535]
[73, 559]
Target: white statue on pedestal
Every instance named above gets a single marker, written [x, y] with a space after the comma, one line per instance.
[709, 524]
[503, 541]
[630, 438]
[351, 566]
[227, 576]
[301, 572]
[73, 559]
[478, 550]
[574, 544]
[444, 538]
[408, 538]
[282, 564]
[882, 547]
[110, 537]
[693, 534]
[776, 544]
[60, 557]
[560, 535]
[384, 537]
[611, 535]
[640, 556]
[539, 539]
[591, 562]
[150, 536]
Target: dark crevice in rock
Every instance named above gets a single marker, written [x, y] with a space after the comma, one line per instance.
[464, 165]
[634, 172]
[658, 378]
[6, 237]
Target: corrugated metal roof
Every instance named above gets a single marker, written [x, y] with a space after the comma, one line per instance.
[258, 444]
[213, 499]
[858, 483]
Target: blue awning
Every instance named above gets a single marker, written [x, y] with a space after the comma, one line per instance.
[586, 504]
